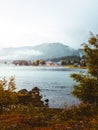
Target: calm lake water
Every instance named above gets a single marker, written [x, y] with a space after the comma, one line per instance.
[55, 83]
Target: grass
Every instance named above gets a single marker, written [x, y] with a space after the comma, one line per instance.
[81, 67]
[82, 117]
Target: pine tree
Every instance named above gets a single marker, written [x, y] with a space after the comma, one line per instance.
[86, 88]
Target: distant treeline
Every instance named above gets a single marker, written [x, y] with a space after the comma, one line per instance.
[68, 60]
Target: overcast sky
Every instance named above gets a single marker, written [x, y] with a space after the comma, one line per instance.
[32, 22]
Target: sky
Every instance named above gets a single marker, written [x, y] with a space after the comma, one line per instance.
[32, 22]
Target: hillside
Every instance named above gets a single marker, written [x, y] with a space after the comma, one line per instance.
[43, 51]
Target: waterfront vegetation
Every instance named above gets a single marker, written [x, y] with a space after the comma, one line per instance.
[25, 109]
[82, 117]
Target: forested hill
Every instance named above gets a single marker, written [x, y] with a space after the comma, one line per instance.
[42, 51]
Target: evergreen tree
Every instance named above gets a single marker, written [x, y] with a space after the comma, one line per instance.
[8, 96]
[86, 88]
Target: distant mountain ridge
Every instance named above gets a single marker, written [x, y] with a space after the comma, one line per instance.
[43, 51]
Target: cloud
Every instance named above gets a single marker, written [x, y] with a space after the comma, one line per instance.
[28, 53]
[29, 22]
[20, 54]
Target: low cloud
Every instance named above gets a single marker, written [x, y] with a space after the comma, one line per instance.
[29, 53]
[21, 54]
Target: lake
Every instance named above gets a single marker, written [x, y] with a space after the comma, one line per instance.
[54, 82]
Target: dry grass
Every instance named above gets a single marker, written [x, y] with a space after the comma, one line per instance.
[24, 122]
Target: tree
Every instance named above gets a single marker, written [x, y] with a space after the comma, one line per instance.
[20, 62]
[63, 62]
[86, 88]
[42, 62]
[8, 95]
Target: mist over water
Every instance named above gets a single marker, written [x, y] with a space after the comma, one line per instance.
[54, 82]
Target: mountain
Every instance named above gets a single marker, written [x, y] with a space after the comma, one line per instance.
[80, 52]
[43, 51]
